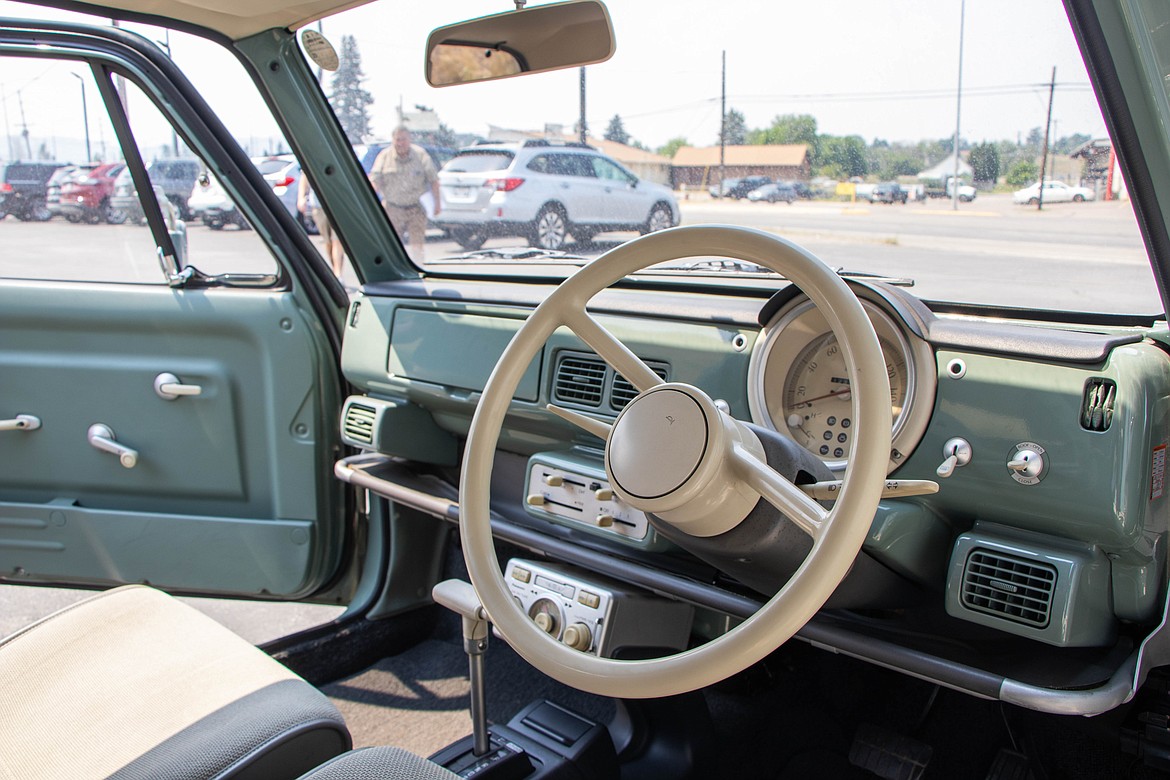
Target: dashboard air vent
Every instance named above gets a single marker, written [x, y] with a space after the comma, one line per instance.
[1097, 407]
[359, 423]
[579, 380]
[623, 392]
[1015, 589]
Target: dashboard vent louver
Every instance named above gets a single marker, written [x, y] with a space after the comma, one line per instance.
[1097, 407]
[359, 423]
[579, 380]
[1015, 589]
[623, 392]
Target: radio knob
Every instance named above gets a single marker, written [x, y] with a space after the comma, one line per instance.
[578, 637]
[554, 480]
[545, 622]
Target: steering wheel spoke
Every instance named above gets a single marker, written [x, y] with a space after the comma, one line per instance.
[617, 354]
[789, 499]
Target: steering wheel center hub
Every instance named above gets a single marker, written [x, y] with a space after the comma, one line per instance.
[658, 443]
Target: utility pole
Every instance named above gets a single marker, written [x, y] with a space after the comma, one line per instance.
[958, 110]
[84, 117]
[582, 128]
[1044, 154]
[24, 125]
[722, 125]
[7, 126]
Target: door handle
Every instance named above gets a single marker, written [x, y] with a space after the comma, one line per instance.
[102, 438]
[168, 387]
[21, 422]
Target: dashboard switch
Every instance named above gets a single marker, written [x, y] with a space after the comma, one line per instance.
[554, 480]
[956, 452]
[535, 499]
[603, 494]
[1026, 465]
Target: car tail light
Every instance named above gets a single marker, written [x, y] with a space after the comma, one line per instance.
[5, 187]
[286, 181]
[503, 185]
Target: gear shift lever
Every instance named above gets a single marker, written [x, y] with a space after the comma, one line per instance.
[459, 597]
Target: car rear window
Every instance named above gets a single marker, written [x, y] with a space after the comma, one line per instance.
[475, 162]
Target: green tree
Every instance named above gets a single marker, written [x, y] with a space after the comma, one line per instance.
[1023, 173]
[984, 159]
[672, 146]
[735, 127]
[790, 129]
[616, 132]
[350, 102]
[842, 157]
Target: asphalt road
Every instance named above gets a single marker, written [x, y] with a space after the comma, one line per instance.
[1082, 256]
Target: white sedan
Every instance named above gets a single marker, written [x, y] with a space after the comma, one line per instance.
[1054, 192]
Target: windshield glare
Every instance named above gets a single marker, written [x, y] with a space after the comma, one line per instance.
[707, 107]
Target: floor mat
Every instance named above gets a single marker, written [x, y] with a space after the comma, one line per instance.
[418, 699]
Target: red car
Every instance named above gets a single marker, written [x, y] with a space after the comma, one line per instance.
[86, 198]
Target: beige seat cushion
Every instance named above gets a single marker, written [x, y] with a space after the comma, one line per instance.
[133, 683]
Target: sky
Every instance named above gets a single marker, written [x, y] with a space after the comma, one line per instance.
[884, 69]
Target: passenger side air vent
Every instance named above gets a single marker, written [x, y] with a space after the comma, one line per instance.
[623, 392]
[1015, 589]
[1097, 407]
[358, 424]
[579, 380]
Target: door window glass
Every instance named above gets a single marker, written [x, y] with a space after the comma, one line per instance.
[70, 208]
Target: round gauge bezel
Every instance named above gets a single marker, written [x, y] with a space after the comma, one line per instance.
[773, 360]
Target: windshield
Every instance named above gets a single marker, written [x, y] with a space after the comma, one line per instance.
[706, 106]
[857, 108]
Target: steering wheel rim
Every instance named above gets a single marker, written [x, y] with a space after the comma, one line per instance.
[837, 541]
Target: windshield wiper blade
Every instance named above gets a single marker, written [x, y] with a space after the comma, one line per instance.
[895, 281]
[516, 253]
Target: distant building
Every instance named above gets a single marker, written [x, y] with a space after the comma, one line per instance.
[1096, 157]
[698, 166]
[940, 171]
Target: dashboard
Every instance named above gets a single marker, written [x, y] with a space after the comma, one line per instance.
[1048, 442]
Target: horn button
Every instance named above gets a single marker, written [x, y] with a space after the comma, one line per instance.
[657, 443]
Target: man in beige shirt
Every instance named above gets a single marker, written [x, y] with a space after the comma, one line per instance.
[401, 174]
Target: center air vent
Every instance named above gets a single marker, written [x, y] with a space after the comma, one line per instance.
[585, 380]
[1015, 589]
[358, 423]
[1097, 407]
[580, 380]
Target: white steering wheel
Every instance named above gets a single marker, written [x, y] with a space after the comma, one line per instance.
[673, 453]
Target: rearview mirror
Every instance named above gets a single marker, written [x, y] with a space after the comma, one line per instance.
[514, 43]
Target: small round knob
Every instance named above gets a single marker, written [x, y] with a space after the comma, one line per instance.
[545, 622]
[554, 480]
[535, 499]
[1027, 463]
[578, 636]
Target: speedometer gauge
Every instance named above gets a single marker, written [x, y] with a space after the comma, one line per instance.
[799, 384]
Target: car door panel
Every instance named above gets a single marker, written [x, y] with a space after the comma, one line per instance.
[218, 500]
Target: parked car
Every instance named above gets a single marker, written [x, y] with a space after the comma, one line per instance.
[283, 174]
[209, 203]
[546, 191]
[738, 188]
[87, 196]
[173, 177]
[771, 193]
[1054, 192]
[801, 188]
[889, 192]
[53, 188]
[23, 188]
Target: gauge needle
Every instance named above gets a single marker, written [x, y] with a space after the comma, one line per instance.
[835, 393]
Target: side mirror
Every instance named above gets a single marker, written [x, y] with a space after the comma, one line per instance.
[203, 180]
[515, 43]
